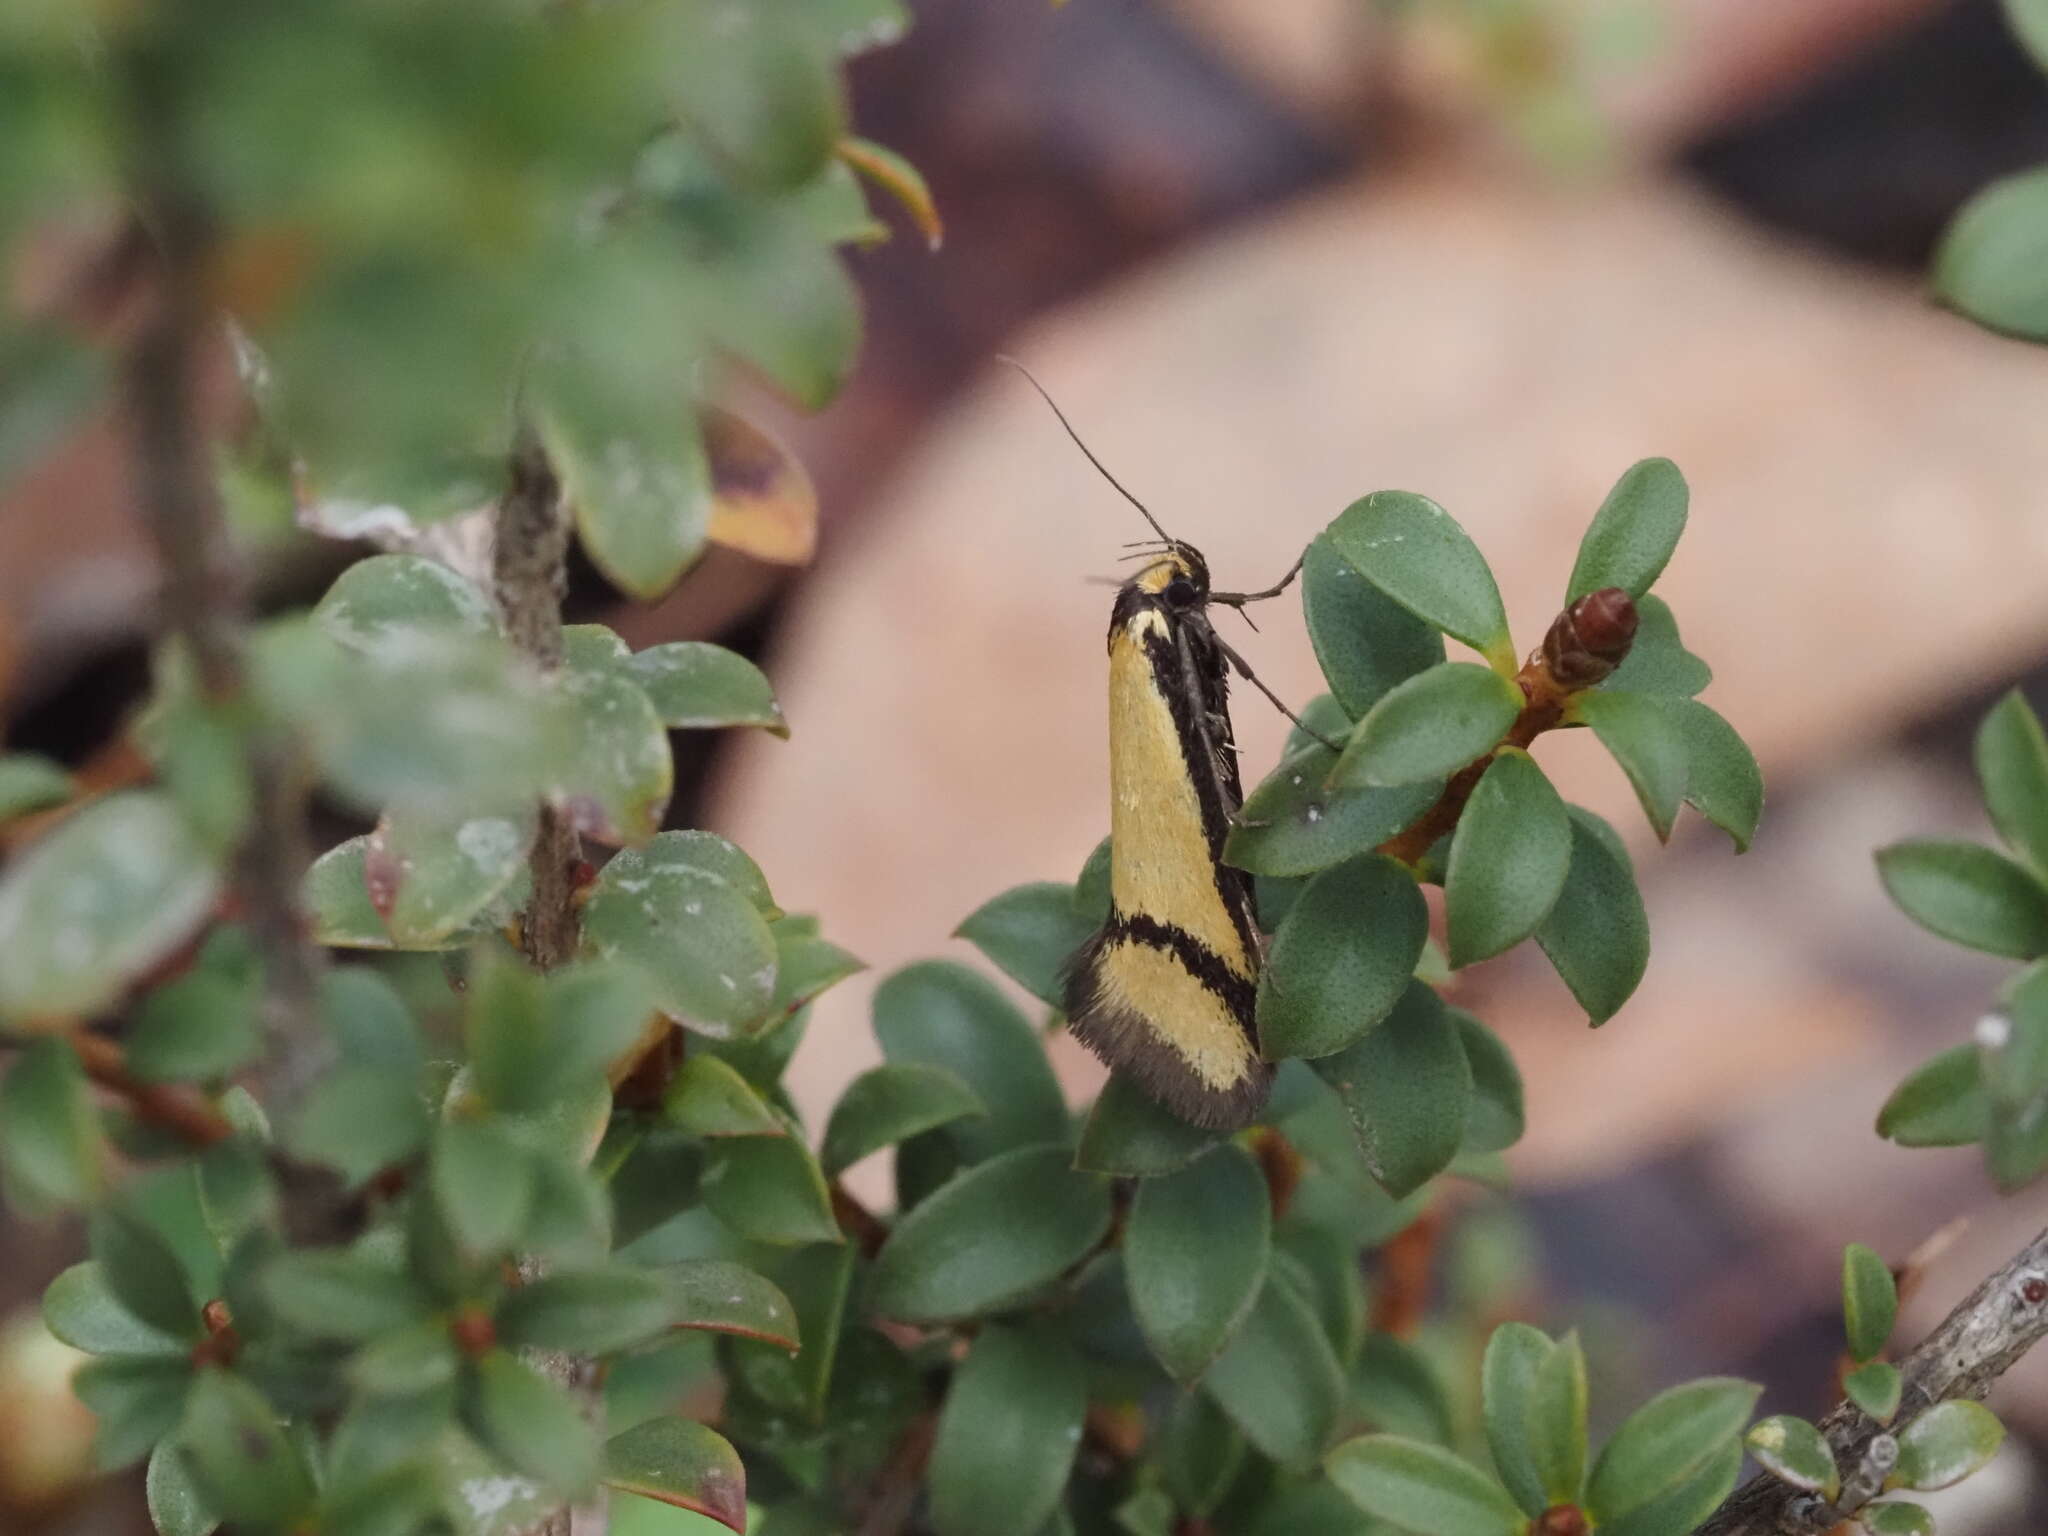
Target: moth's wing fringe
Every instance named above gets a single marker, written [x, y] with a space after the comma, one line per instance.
[1135, 1048]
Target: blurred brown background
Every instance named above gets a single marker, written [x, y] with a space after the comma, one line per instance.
[1270, 255]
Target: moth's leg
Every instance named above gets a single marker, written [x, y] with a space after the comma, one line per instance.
[1239, 599]
[1244, 670]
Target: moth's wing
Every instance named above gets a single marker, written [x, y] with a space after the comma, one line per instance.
[1164, 992]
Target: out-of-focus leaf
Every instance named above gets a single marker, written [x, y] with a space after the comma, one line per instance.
[642, 498]
[240, 1460]
[1969, 894]
[1422, 1488]
[768, 1188]
[30, 783]
[1946, 1444]
[103, 897]
[892, 1103]
[50, 1143]
[901, 180]
[428, 877]
[708, 1097]
[615, 781]
[1279, 1380]
[1870, 1301]
[530, 1423]
[1007, 1434]
[695, 685]
[681, 1464]
[763, 503]
[1990, 263]
[1669, 1440]
[1128, 1134]
[80, 1309]
[1406, 1086]
[386, 602]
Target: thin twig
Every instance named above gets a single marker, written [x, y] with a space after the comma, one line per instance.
[1976, 1344]
[205, 600]
[529, 573]
[184, 1112]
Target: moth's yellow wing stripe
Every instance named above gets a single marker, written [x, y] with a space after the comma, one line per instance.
[1160, 863]
[1180, 1013]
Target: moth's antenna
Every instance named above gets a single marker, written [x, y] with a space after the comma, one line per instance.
[1087, 453]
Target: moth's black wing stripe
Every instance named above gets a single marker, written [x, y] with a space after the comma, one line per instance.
[1202, 962]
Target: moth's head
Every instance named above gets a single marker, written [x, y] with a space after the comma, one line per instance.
[1179, 575]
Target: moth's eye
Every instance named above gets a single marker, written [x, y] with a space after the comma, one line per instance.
[1180, 592]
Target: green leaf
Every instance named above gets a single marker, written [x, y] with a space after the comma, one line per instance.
[1722, 780]
[586, 1311]
[768, 1188]
[1670, 1439]
[707, 1097]
[80, 1309]
[593, 1014]
[199, 1028]
[1342, 958]
[1794, 1452]
[1407, 1090]
[1875, 1388]
[817, 1281]
[642, 497]
[616, 778]
[530, 1424]
[945, 1015]
[892, 1103]
[991, 1236]
[143, 1272]
[1293, 823]
[1646, 735]
[397, 1502]
[1007, 1434]
[1597, 935]
[1494, 1119]
[50, 1141]
[1195, 1255]
[681, 1464]
[112, 890]
[2029, 20]
[1870, 1301]
[1514, 1356]
[1634, 532]
[341, 1294]
[1030, 933]
[1946, 1444]
[805, 967]
[699, 935]
[1091, 886]
[1688, 1504]
[1557, 1422]
[1278, 1379]
[336, 899]
[405, 1363]
[723, 1297]
[1657, 660]
[482, 1183]
[1421, 1488]
[1969, 894]
[30, 783]
[1429, 727]
[137, 1401]
[359, 1121]
[1942, 1104]
[696, 686]
[385, 602]
[1990, 263]
[1364, 641]
[176, 1507]
[429, 876]
[2012, 765]
[239, 1458]
[1395, 1388]
[1895, 1517]
[1509, 857]
[1412, 550]
[1199, 1453]
[1127, 1133]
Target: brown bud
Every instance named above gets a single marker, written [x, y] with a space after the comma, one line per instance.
[1561, 1520]
[473, 1331]
[1590, 638]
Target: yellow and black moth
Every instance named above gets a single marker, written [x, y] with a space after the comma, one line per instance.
[1165, 991]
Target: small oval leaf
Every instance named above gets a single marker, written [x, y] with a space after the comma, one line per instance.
[1597, 935]
[694, 686]
[1645, 734]
[1875, 1388]
[1634, 532]
[1008, 1434]
[1293, 823]
[1992, 263]
[1129, 1134]
[1279, 1380]
[1895, 1517]
[1946, 1444]
[989, 1237]
[1412, 550]
[1422, 1488]
[1194, 1256]
[723, 1297]
[682, 1464]
[1429, 727]
[708, 1097]
[1509, 858]
[1030, 932]
[1794, 1452]
[1722, 780]
[1942, 1104]
[1969, 894]
[1666, 1442]
[1514, 1355]
[768, 1188]
[2012, 766]
[1364, 641]
[1406, 1087]
[892, 1103]
[1870, 1301]
[1342, 958]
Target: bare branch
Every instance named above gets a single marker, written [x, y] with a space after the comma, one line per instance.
[1976, 1344]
